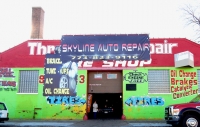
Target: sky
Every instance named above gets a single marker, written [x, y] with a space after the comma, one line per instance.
[158, 18]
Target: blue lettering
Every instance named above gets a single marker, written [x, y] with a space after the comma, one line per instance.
[51, 99]
[58, 100]
[82, 101]
[128, 101]
[71, 100]
[76, 100]
[66, 99]
[153, 101]
[134, 100]
[147, 101]
[141, 101]
[160, 101]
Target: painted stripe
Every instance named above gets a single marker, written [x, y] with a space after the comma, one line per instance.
[150, 125]
[53, 124]
[43, 124]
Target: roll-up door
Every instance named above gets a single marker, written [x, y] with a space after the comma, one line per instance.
[105, 82]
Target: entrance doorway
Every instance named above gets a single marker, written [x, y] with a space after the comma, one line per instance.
[105, 87]
[109, 105]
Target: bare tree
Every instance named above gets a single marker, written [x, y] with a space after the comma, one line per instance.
[191, 15]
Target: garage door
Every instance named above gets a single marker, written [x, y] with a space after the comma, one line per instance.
[105, 82]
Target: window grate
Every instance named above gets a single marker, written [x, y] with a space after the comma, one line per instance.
[159, 81]
[28, 82]
[198, 77]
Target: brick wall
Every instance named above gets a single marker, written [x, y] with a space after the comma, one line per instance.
[37, 23]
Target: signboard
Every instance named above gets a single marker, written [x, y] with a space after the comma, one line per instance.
[61, 69]
[106, 47]
[185, 58]
[60, 78]
[136, 77]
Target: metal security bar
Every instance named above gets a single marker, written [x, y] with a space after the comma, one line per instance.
[198, 75]
[158, 81]
[28, 82]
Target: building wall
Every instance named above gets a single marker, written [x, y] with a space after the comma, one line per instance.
[149, 106]
[30, 55]
[37, 106]
[162, 54]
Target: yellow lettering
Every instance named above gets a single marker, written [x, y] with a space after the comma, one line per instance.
[48, 91]
[50, 70]
[64, 71]
[49, 81]
[54, 61]
[61, 91]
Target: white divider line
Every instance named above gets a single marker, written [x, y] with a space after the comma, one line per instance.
[150, 125]
[49, 124]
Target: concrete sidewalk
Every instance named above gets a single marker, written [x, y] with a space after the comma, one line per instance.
[85, 123]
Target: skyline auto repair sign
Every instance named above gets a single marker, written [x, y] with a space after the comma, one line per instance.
[106, 47]
[163, 47]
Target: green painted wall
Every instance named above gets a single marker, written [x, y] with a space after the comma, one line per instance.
[147, 108]
[36, 106]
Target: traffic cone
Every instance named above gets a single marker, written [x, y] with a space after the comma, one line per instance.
[123, 117]
[85, 117]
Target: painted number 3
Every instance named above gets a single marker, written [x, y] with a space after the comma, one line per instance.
[82, 79]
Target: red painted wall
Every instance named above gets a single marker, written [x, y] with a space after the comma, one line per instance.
[29, 53]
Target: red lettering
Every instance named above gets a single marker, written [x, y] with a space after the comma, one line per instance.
[174, 95]
[82, 79]
[190, 82]
[172, 89]
[41, 79]
[185, 81]
[195, 82]
[12, 83]
[6, 72]
[173, 73]
[4, 83]
[177, 81]
[180, 73]
[181, 88]
[9, 83]
[173, 81]
[177, 89]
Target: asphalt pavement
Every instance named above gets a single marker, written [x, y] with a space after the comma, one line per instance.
[85, 123]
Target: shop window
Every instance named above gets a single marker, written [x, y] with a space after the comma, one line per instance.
[111, 76]
[198, 74]
[159, 81]
[131, 87]
[28, 81]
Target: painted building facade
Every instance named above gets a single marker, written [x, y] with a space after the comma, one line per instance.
[145, 87]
